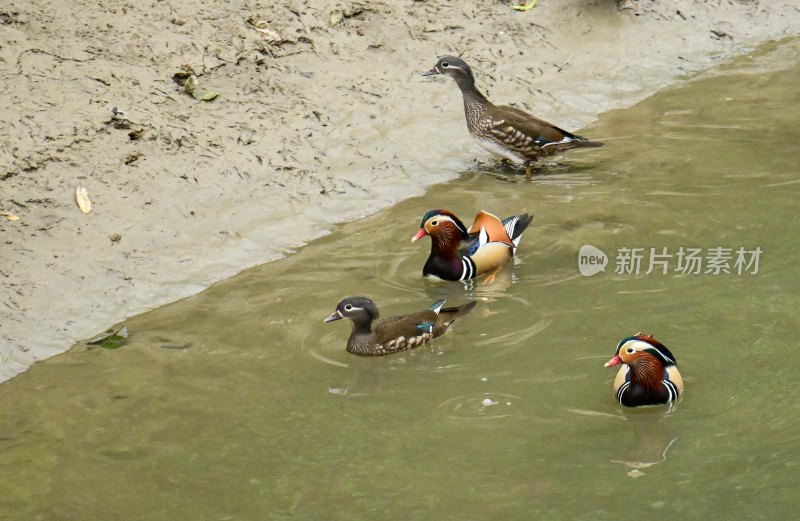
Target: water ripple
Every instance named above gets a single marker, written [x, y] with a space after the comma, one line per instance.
[518, 336]
[483, 406]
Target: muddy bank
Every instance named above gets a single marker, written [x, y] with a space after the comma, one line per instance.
[322, 117]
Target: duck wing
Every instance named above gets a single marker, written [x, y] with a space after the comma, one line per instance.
[511, 121]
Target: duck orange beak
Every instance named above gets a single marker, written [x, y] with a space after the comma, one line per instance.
[616, 360]
[420, 234]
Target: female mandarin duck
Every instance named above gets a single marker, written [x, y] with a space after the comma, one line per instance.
[649, 375]
[393, 334]
[504, 130]
[493, 243]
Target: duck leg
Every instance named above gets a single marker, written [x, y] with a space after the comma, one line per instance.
[491, 276]
[529, 170]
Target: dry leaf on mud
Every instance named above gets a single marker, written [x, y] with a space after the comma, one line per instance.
[183, 74]
[82, 197]
[10, 216]
[270, 34]
[193, 88]
[336, 17]
[525, 7]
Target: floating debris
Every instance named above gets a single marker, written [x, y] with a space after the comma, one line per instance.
[113, 338]
[173, 345]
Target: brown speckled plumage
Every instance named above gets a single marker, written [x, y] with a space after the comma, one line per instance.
[504, 130]
[393, 334]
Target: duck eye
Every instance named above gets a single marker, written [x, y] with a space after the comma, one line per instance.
[629, 350]
[434, 223]
[445, 65]
[348, 307]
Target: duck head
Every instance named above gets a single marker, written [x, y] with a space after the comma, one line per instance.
[454, 67]
[641, 348]
[360, 310]
[443, 226]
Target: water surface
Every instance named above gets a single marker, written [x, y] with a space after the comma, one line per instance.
[240, 403]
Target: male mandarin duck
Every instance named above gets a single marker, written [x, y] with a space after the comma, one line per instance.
[649, 375]
[493, 243]
[504, 130]
[393, 334]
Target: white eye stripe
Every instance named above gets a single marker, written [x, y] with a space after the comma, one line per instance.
[443, 218]
[636, 345]
[640, 345]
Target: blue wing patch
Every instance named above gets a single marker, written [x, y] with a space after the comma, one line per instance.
[425, 327]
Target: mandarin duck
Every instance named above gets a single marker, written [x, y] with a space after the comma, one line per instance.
[493, 243]
[393, 334]
[649, 375]
[504, 130]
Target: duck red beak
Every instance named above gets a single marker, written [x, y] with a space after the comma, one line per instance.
[616, 360]
[420, 234]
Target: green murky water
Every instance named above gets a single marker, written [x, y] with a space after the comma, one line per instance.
[241, 404]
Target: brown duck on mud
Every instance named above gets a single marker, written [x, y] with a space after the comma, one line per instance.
[504, 130]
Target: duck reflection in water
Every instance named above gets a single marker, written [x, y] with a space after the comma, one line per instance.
[652, 439]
